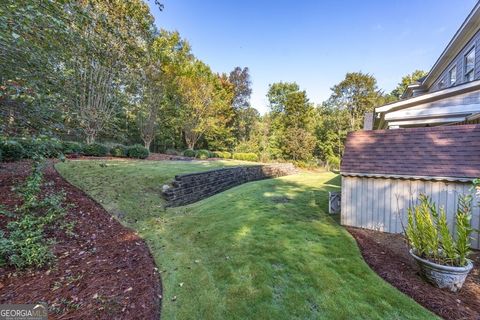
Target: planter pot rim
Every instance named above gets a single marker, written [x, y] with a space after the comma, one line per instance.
[452, 269]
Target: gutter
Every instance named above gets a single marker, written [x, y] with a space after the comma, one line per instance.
[406, 177]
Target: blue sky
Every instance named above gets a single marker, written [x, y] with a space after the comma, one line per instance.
[314, 43]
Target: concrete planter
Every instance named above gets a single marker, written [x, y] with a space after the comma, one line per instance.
[443, 276]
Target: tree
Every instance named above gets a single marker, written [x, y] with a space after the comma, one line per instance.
[300, 144]
[240, 79]
[406, 81]
[204, 101]
[357, 93]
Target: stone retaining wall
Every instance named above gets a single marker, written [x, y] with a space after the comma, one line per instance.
[189, 188]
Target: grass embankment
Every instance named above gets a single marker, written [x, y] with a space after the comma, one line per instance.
[263, 250]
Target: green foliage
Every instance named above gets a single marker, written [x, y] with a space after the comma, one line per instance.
[27, 244]
[119, 150]
[71, 147]
[42, 146]
[137, 151]
[190, 153]
[406, 81]
[95, 150]
[203, 154]
[11, 150]
[333, 162]
[429, 235]
[222, 154]
[245, 156]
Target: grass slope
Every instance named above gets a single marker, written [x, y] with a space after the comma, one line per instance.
[263, 250]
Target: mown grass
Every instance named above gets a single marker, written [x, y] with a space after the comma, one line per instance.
[263, 250]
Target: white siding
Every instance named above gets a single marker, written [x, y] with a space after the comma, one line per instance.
[381, 203]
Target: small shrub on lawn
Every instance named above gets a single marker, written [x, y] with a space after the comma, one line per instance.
[95, 150]
[137, 151]
[429, 236]
[118, 150]
[203, 154]
[222, 154]
[245, 156]
[11, 150]
[71, 147]
[26, 244]
[190, 153]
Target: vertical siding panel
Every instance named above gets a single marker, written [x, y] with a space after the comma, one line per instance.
[451, 205]
[354, 207]
[369, 203]
[363, 202]
[476, 222]
[382, 197]
[376, 200]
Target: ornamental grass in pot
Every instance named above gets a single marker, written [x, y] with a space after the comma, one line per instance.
[441, 254]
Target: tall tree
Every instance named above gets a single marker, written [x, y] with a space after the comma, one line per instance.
[240, 79]
[357, 93]
[406, 81]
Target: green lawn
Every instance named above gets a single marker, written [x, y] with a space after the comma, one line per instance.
[263, 250]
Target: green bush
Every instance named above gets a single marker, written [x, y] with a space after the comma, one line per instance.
[333, 163]
[42, 146]
[222, 154]
[137, 151]
[118, 150]
[95, 150]
[11, 150]
[203, 154]
[245, 156]
[71, 147]
[429, 235]
[190, 153]
[27, 243]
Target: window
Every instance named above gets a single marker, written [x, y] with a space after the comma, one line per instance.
[452, 74]
[469, 64]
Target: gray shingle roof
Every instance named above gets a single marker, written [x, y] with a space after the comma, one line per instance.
[451, 151]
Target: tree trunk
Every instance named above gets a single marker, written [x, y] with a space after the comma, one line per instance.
[147, 143]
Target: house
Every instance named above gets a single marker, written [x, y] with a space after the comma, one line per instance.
[449, 94]
[384, 172]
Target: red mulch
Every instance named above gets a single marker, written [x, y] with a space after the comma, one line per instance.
[103, 271]
[388, 256]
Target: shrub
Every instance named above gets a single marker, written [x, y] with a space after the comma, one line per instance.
[137, 151]
[11, 150]
[222, 154]
[203, 154]
[333, 162]
[429, 236]
[190, 153]
[247, 156]
[95, 149]
[41, 146]
[27, 244]
[118, 150]
[71, 147]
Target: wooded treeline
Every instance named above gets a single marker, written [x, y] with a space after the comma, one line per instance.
[95, 70]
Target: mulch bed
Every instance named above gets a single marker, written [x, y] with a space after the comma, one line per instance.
[103, 271]
[388, 256]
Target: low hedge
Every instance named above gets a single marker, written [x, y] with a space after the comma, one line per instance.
[190, 153]
[137, 151]
[95, 150]
[71, 147]
[222, 154]
[119, 150]
[40, 146]
[11, 150]
[245, 156]
[203, 154]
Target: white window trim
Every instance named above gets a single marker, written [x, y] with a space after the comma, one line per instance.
[472, 70]
[450, 75]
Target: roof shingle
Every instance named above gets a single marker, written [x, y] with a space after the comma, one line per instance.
[451, 151]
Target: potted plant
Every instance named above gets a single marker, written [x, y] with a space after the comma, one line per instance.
[441, 254]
